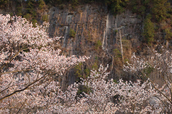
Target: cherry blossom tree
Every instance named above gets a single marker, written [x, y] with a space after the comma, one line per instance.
[161, 63]
[106, 96]
[29, 65]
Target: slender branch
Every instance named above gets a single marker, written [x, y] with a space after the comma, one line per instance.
[158, 89]
[15, 71]
[5, 88]
[161, 101]
[17, 91]
[161, 92]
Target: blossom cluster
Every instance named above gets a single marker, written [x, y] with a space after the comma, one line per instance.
[161, 63]
[29, 63]
[136, 64]
[106, 96]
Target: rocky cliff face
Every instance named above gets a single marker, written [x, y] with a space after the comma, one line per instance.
[92, 23]
[94, 28]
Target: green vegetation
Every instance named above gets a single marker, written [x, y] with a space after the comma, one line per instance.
[151, 12]
[115, 81]
[74, 3]
[3, 3]
[45, 18]
[117, 6]
[81, 71]
[78, 69]
[87, 72]
[98, 44]
[148, 30]
[117, 58]
[168, 34]
[159, 9]
[117, 53]
[28, 16]
[41, 4]
[34, 21]
[148, 70]
[95, 66]
[72, 33]
[84, 89]
[19, 10]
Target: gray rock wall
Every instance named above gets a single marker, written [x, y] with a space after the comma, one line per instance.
[92, 23]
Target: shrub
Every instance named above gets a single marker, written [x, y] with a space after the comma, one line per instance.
[78, 69]
[168, 34]
[87, 72]
[28, 16]
[95, 66]
[117, 53]
[45, 18]
[72, 33]
[83, 88]
[148, 30]
[98, 44]
[34, 22]
[19, 11]
[159, 9]
[41, 4]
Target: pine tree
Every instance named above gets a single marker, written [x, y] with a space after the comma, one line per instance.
[148, 30]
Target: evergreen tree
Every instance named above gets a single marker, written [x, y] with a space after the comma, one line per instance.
[159, 9]
[3, 3]
[148, 30]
